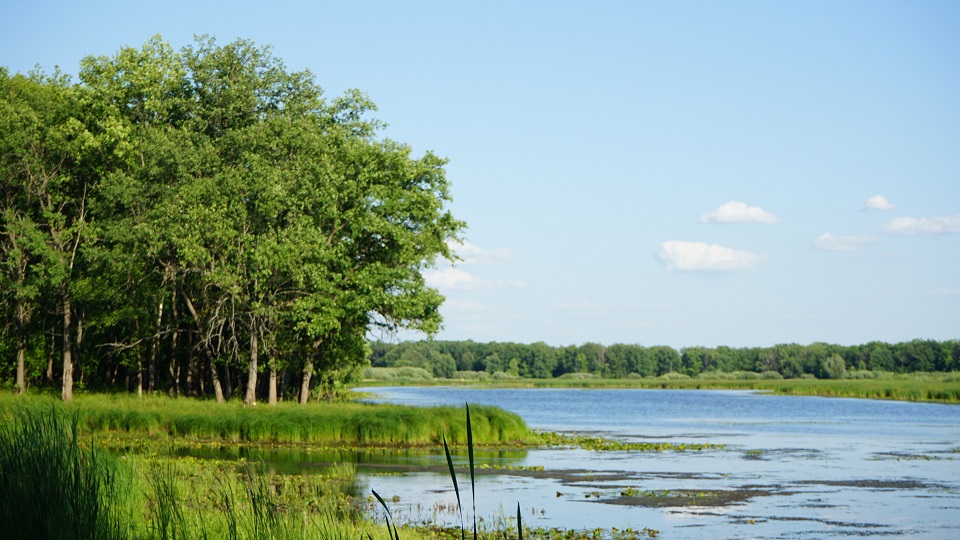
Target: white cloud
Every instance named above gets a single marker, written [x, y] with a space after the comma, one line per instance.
[699, 256]
[465, 306]
[473, 254]
[914, 226]
[879, 202]
[454, 278]
[829, 242]
[451, 278]
[738, 212]
[950, 292]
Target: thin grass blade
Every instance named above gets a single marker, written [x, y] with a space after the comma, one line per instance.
[519, 524]
[394, 535]
[456, 487]
[473, 486]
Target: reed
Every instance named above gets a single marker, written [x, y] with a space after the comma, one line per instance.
[317, 423]
[51, 485]
[391, 524]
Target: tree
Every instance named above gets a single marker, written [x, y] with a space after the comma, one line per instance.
[47, 179]
[833, 367]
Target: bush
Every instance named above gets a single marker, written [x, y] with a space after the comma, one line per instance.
[771, 375]
[577, 376]
[473, 375]
[405, 373]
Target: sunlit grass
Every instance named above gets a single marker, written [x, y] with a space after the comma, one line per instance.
[316, 423]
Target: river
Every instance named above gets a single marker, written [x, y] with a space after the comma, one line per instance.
[790, 467]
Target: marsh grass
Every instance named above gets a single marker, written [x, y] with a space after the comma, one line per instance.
[316, 423]
[51, 485]
[923, 387]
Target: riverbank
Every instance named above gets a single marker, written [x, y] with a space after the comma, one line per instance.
[932, 388]
[56, 479]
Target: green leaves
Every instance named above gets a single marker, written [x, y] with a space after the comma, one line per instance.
[215, 178]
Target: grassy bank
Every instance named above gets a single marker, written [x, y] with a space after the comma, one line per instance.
[923, 387]
[314, 423]
[54, 484]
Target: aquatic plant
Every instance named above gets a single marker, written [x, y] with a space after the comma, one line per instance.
[391, 525]
[51, 485]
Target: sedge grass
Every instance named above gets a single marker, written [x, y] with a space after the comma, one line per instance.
[316, 423]
[51, 486]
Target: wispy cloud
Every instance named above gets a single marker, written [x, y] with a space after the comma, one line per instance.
[915, 226]
[454, 278]
[879, 202]
[950, 292]
[702, 257]
[473, 254]
[738, 212]
[829, 242]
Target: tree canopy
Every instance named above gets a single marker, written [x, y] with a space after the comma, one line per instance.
[185, 220]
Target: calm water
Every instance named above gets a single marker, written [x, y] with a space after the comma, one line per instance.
[806, 467]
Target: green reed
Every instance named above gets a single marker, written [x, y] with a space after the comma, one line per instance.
[315, 423]
[51, 485]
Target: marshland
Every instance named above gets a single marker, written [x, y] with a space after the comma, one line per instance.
[206, 262]
[611, 463]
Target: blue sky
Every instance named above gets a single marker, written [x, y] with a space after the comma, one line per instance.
[678, 173]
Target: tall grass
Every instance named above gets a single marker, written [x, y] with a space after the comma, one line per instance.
[317, 423]
[51, 486]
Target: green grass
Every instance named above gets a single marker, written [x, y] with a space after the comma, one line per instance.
[54, 485]
[315, 423]
[925, 387]
[51, 486]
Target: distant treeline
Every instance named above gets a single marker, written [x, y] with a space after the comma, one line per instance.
[541, 361]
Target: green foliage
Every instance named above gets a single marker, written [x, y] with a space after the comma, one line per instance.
[207, 213]
[51, 484]
[621, 361]
[327, 423]
[833, 367]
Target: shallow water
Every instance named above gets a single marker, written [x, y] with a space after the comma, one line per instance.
[791, 467]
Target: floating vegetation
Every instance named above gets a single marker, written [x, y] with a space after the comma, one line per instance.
[602, 444]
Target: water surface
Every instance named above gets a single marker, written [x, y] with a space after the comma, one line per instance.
[791, 467]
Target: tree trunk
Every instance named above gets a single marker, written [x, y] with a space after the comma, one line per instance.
[21, 387]
[217, 389]
[139, 373]
[251, 397]
[305, 380]
[174, 388]
[51, 352]
[272, 387]
[154, 351]
[67, 387]
[227, 383]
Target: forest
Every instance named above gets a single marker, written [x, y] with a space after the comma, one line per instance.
[185, 221]
[448, 359]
